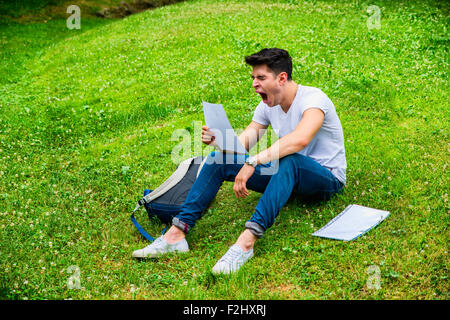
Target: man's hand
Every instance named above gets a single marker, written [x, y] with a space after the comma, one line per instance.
[240, 182]
[208, 136]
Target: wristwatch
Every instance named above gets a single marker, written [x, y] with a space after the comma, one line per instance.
[251, 161]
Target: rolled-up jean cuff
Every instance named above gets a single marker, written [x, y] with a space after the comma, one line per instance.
[255, 228]
[183, 226]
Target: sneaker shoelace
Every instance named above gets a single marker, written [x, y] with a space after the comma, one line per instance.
[231, 256]
[155, 243]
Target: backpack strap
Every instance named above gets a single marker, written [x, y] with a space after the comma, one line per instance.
[201, 166]
[141, 230]
[179, 173]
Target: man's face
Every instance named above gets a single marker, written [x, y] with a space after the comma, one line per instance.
[266, 84]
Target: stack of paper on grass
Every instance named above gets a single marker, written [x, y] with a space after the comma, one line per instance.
[351, 223]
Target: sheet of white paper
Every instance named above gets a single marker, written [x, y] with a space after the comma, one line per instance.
[217, 121]
[351, 223]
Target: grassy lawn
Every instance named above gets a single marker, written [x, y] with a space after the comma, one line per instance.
[87, 117]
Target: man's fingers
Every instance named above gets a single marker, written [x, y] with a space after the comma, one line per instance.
[205, 129]
[208, 140]
[235, 191]
[240, 189]
[244, 191]
[243, 187]
[207, 136]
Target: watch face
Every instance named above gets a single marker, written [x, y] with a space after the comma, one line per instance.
[250, 161]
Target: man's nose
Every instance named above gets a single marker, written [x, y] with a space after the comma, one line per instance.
[255, 83]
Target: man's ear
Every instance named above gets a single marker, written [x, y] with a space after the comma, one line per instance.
[282, 78]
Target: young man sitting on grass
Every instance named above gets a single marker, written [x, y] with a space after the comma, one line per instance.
[310, 154]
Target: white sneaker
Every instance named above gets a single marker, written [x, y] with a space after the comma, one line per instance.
[232, 260]
[160, 247]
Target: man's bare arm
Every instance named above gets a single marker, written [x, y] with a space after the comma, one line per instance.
[295, 141]
[252, 134]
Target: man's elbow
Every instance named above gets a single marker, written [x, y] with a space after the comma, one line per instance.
[299, 145]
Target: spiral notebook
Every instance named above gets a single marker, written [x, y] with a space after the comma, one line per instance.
[352, 223]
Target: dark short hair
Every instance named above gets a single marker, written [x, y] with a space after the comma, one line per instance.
[278, 60]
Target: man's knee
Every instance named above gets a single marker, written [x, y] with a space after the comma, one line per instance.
[289, 161]
[222, 158]
[214, 158]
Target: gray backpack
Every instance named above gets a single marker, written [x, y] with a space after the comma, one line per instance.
[166, 201]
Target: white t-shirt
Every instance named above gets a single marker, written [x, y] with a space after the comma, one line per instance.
[327, 146]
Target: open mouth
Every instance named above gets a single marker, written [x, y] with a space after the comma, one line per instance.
[263, 96]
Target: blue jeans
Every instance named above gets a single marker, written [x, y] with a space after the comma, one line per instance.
[276, 181]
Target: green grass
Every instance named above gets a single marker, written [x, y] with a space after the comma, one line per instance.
[76, 106]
